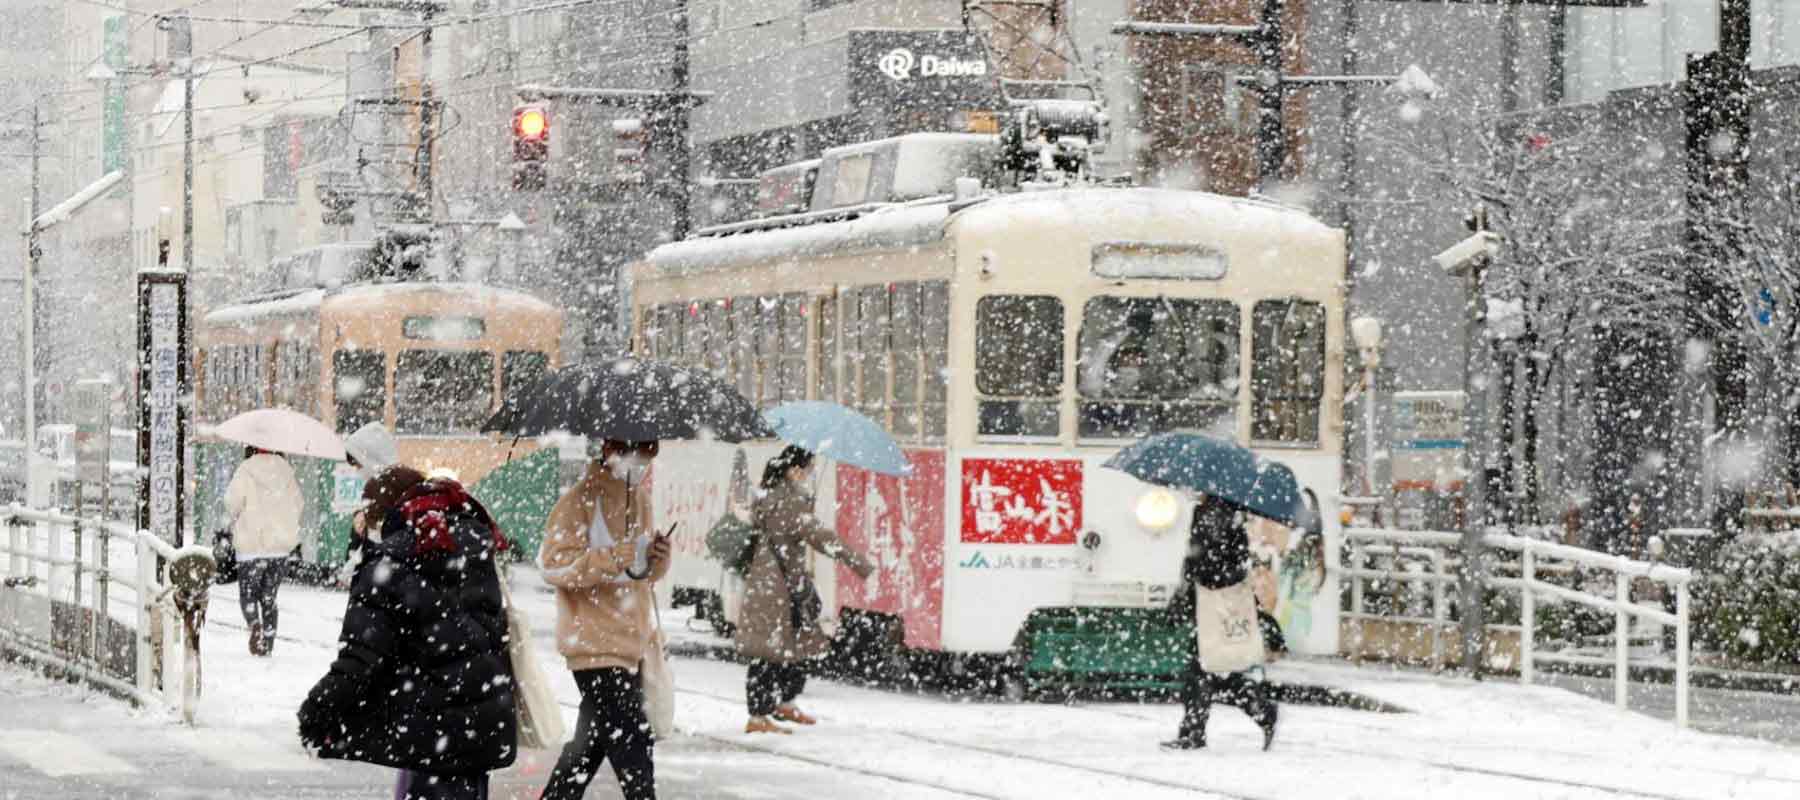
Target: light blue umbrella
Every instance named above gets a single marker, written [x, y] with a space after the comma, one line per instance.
[838, 433]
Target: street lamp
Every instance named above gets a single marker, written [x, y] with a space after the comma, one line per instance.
[1367, 333]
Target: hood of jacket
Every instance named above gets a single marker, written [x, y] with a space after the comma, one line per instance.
[372, 447]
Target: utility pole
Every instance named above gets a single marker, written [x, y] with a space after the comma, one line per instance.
[681, 150]
[422, 163]
[33, 251]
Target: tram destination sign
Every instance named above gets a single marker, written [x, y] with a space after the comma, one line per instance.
[162, 358]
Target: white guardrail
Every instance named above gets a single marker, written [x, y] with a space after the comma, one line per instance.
[57, 604]
[1425, 558]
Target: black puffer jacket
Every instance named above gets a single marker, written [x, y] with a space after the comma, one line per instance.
[1218, 557]
[422, 680]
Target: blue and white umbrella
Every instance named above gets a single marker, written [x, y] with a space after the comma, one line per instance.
[838, 433]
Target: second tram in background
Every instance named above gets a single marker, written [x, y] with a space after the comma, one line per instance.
[1011, 341]
[429, 360]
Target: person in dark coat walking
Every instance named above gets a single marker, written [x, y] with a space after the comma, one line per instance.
[422, 681]
[1218, 558]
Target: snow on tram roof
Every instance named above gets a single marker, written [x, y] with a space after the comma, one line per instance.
[893, 227]
[308, 301]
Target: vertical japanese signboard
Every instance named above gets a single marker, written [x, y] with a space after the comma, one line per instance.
[162, 434]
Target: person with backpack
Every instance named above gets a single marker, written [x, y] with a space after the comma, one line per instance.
[600, 555]
[263, 505]
[423, 681]
[1218, 558]
[778, 627]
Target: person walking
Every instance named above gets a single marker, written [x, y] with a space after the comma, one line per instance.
[600, 556]
[263, 503]
[778, 627]
[423, 681]
[1218, 558]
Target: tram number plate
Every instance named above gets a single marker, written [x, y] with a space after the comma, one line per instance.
[1021, 500]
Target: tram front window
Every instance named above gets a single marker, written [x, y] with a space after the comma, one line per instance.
[1019, 365]
[1154, 364]
[439, 392]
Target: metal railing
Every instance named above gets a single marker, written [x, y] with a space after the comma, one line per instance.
[58, 604]
[1425, 562]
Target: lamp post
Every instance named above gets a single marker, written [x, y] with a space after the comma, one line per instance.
[1367, 333]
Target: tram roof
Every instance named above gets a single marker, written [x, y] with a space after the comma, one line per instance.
[369, 296]
[891, 227]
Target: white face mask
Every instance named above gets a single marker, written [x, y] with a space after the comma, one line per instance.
[630, 468]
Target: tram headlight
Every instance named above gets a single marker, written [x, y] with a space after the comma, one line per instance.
[1157, 510]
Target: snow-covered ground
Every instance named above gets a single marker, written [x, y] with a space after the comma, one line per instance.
[1454, 739]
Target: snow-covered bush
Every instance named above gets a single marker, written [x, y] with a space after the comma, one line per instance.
[1748, 606]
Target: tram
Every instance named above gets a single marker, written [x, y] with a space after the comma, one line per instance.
[430, 360]
[1012, 340]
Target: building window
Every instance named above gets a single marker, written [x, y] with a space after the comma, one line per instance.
[1216, 102]
[1287, 371]
[1019, 365]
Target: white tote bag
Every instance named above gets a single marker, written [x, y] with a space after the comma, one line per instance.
[1226, 628]
[540, 718]
[659, 682]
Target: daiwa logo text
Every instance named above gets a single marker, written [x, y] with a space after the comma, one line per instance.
[898, 64]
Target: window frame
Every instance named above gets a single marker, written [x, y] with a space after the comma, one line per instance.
[1055, 387]
[1260, 398]
[446, 431]
[1209, 310]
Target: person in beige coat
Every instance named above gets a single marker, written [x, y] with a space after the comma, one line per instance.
[778, 626]
[600, 555]
[264, 504]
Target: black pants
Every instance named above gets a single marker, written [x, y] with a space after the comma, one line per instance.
[259, 579]
[427, 786]
[769, 685]
[612, 726]
[1205, 688]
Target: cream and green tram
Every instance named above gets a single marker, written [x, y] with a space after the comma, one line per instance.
[428, 360]
[1012, 343]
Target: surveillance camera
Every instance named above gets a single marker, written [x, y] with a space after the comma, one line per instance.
[1463, 255]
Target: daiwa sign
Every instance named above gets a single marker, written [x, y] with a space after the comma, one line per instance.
[899, 64]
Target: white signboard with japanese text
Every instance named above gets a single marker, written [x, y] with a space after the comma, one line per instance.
[1428, 439]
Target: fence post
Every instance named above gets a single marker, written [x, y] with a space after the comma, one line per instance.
[146, 599]
[1438, 617]
[1682, 654]
[1356, 582]
[15, 539]
[1622, 637]
[52, 553]
[1527, 616]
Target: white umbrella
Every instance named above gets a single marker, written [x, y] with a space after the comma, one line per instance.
[283, 431]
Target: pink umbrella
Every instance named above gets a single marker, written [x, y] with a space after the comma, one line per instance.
[283, 431]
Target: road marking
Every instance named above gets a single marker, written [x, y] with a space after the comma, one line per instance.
[59, 754]
[244, 752]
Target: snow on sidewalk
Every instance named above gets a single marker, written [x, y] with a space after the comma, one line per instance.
[1458, 739]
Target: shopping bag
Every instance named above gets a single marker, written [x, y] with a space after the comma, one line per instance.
[1226, 629]
[540, 718]
[224, 558]
[659, 684]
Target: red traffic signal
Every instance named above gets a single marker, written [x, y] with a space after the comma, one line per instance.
[531, 122]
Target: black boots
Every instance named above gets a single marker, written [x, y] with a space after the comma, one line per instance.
[1266, 721]
[1186, 743]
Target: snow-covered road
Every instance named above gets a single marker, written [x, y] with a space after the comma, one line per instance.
[1456, 739]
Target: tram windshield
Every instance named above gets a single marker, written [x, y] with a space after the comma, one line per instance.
[1151, 364]
[440, 392]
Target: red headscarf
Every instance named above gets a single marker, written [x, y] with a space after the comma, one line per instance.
[427, 507]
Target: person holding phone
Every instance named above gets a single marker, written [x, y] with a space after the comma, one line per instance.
[600, 555]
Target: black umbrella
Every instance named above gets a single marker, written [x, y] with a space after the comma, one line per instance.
[629, 399]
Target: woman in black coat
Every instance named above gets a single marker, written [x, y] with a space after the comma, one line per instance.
[1218, 558]
[422, 681]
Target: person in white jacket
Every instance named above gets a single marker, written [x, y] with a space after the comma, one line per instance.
[264, 505]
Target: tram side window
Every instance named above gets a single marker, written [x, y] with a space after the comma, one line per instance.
[442, 391]
[713, 318]
[1154, 364]
[793, 347]
[828, 340]
[359, 388]
[768, 351]
[920, 337]
[743, 338]
[1019, 365]
[935, 342]
[696, 340]
[904, 336]
[1287, 371]
[873, 321]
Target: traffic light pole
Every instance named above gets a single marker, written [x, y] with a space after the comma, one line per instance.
[422, 163]
[681, 149]
[32, 252]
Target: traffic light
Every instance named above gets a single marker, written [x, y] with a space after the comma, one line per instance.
[531, 145]
[631, 145]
